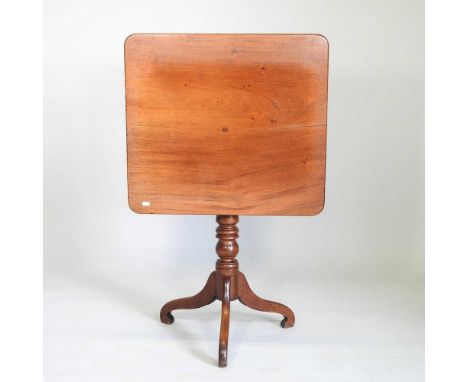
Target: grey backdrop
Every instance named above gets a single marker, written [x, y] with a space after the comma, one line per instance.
[372, 224]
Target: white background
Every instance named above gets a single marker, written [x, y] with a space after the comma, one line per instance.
[353, 275]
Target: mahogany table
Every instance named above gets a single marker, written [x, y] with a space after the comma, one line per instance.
[228, 125]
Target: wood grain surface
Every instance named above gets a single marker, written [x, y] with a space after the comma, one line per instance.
[226, 124]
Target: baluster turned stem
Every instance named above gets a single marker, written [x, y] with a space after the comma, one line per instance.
[227, 266]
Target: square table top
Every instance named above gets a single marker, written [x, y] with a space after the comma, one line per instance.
[226, 124]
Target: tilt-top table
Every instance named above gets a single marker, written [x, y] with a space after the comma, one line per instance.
[226, 125]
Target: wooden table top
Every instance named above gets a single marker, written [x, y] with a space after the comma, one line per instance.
[226, 124]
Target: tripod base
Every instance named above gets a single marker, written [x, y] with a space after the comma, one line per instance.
[226, 284]
[245, 295]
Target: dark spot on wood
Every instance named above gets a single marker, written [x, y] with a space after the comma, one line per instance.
[263, 68]
[225, 129]
[185, 84]
[273, 120]
[304, 161]
[234, 51]
[252, 118]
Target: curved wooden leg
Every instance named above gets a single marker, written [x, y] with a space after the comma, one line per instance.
[250, 299]
[202, 298]
[224, 330]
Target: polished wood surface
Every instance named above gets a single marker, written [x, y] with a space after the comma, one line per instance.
[206, 296]
[224, 328]
[226, 124]
[226, 284]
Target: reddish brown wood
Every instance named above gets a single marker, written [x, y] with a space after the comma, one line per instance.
[206, 296]
[224, 329]
[227, 267]
[227, 284]
[226, 124]
[231, 124]
[250, 299]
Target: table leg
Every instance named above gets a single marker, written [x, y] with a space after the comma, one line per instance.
[224, 330]
[250, 299]
[206, 296]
